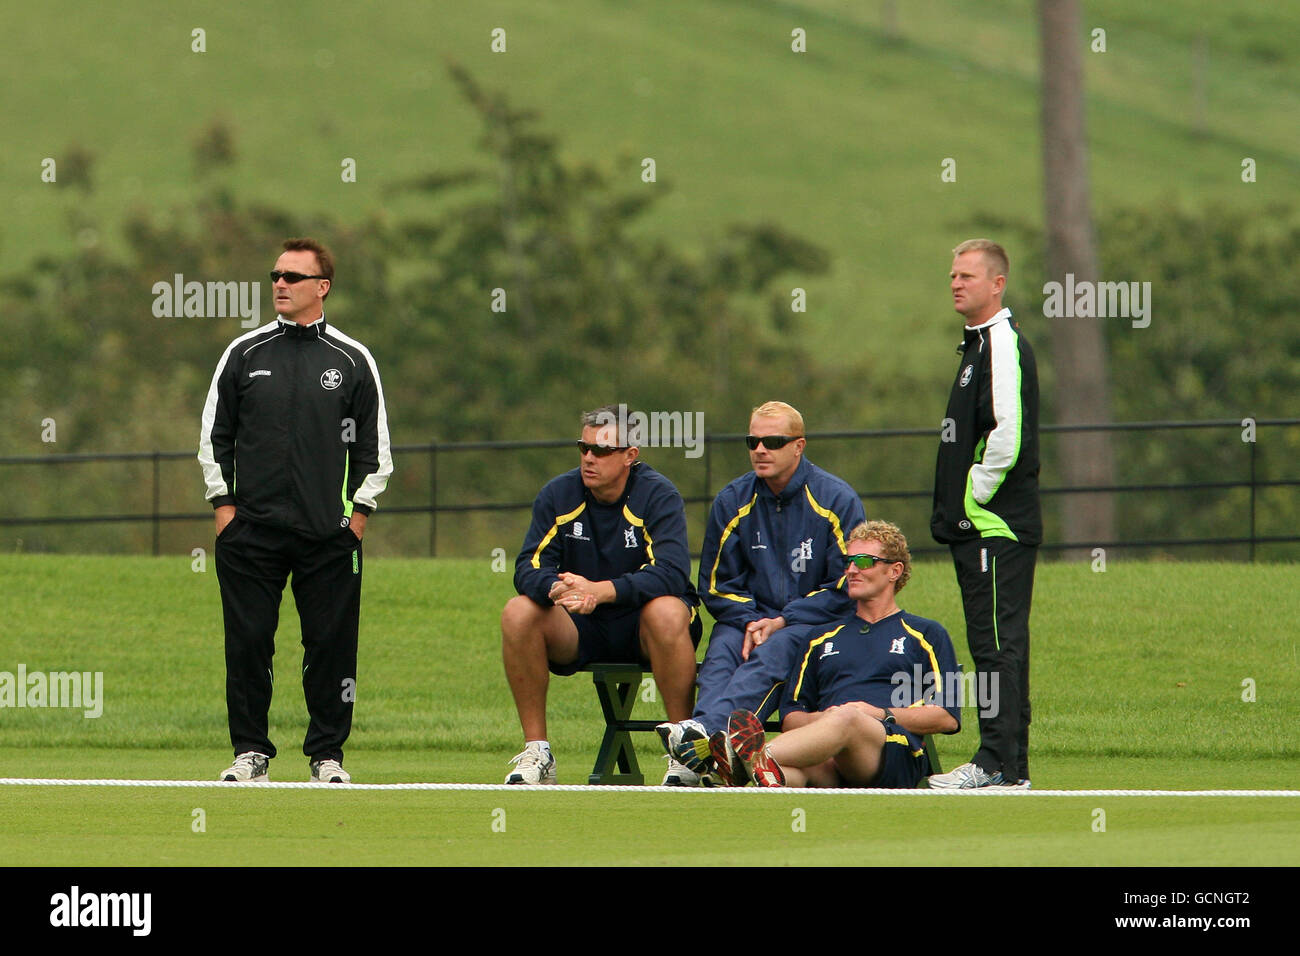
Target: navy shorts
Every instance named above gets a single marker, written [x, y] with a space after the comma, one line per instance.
[903, 763]
[614, 637]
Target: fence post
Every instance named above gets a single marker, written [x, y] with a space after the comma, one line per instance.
[433, 498]
[157, 521]
[708, 477]
[1252, 501]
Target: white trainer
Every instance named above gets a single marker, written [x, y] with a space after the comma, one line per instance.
[249, 767]
[687, 746]
[969, 776]
[329, 771]
[679, 775]
[533, 766]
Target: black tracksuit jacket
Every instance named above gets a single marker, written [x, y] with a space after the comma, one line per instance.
[295, 432]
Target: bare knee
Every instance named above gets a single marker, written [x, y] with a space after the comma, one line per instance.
[858, 725]
[528, 630]
[520, 617]
[665, 621]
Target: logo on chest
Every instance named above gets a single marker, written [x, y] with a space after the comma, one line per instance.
[629, 538]
[896, 646]
[331, 379]
[966, 374]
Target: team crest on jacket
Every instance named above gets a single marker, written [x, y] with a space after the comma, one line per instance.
[896, 646]
[629, 538]
[331, 378]
[966, 373]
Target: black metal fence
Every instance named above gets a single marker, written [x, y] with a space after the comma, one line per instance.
[1247, 473]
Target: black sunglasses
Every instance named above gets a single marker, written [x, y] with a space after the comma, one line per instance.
[770, 442]
[291, 277]
[864, 561]
[600, 451]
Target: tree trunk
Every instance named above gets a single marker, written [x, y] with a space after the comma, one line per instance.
[1078, 344]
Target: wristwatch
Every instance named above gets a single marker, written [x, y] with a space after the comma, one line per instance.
[889, 717]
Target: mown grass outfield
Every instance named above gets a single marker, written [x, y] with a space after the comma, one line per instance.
[1138, 682]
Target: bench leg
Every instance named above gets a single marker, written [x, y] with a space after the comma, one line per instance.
[930, 752]
[617, 690]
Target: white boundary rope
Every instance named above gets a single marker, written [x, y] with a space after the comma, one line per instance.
[568, 788]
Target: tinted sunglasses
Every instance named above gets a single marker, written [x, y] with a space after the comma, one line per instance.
[864, 561]
[291, 277]
[600, 451]
[770, 442]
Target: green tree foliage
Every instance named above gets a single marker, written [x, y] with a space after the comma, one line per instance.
[593, 312]
[1222, 345]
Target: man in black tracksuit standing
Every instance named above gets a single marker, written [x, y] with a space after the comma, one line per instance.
[986, 509]
[294, 448]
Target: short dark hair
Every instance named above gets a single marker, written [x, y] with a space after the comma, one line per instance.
[605, 415]
[607, 420]
[324, 261]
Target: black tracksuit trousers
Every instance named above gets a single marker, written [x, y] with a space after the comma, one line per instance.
[253, 563]
[996, 577]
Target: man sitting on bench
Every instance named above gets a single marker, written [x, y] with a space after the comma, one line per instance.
[603, 576]
[771, 574]
[866, 691]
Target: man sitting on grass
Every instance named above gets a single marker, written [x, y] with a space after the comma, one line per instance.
[853, 714]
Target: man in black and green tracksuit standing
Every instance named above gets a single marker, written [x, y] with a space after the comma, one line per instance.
[986, 510]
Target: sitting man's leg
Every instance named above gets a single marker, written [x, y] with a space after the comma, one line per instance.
[533, 638]
[843, 747]
[721, 660]
[728, 682]
[669, 631]
[665, 639]
[752, 684]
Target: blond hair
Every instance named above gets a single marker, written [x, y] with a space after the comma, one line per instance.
[781, 410]
[892, 543]
[994, 255]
